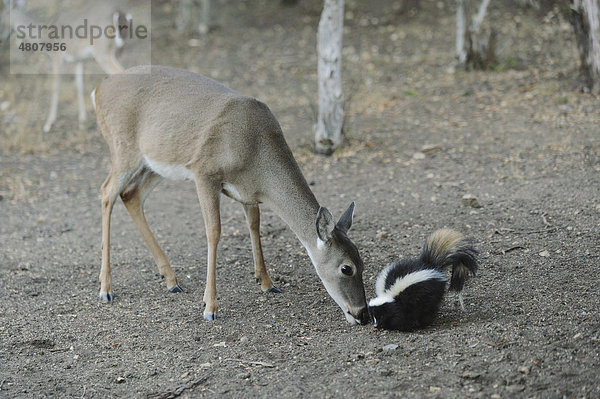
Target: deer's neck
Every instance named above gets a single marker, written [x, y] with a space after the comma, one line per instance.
[291, 198]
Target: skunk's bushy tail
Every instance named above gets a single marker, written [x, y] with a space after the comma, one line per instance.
[446, 247]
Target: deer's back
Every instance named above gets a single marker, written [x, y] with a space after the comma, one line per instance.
[176, 116]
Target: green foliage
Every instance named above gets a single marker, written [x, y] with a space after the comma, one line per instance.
[509, 63]
[561, 100]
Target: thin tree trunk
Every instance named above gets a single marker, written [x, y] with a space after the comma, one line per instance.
[480, 15]
[482, 46]
[4, 22]
[461, 31]
[585, 17]
[328, 130]
[473, 49]
[207, 17]
[186, 16]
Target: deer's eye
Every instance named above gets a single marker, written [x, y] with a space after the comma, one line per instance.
[347, 270]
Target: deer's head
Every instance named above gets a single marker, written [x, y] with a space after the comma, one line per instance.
[339, 265]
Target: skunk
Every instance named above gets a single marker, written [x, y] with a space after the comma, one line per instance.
[410, 291]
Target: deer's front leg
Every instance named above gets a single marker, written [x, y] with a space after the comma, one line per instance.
[260, 270]
[208, 194]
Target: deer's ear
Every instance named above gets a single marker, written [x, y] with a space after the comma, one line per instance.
[345, 221]
[325, 224]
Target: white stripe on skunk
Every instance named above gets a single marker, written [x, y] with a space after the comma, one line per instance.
[402, 283]
[410, 292]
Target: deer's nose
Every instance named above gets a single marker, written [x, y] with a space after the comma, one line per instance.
[363, 316]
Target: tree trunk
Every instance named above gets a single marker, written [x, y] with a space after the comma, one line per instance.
[585, 17]
[207, 17]
[461, 32]
[186, 16]
[474, 48]
[328, 130]
[4, 20]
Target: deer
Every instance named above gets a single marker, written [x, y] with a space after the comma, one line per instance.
[161, 122]
[103, 51]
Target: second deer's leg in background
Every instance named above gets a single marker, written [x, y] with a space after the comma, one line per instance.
[56, 71]
[80, 101]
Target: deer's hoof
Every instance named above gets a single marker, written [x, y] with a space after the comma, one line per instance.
[274, 289]
[176, 288]
[106, 297]
[210, 316]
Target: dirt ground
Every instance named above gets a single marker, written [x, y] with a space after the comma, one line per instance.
[522, 138]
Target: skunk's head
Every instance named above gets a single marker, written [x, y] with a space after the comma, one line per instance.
[384, 313]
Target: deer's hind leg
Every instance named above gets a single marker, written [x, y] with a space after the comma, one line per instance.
[260, 270]
[109, 191]
[133, 197]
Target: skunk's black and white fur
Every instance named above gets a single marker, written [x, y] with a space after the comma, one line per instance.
[410, 292]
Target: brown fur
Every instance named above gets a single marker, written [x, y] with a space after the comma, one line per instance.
[231, 144]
